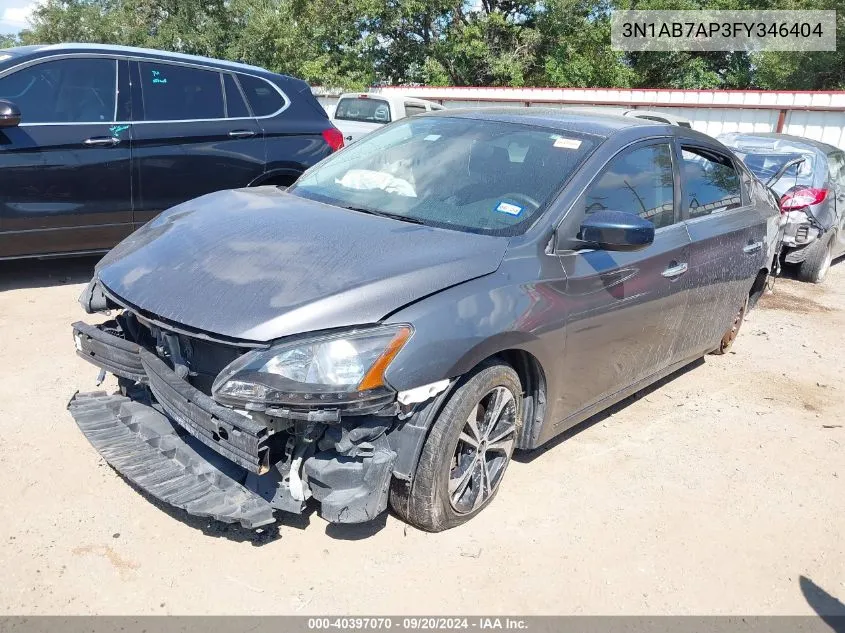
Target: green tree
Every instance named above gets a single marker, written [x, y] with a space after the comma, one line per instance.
[808, 70]
[357, 43]
[576, 46]
[7, 40]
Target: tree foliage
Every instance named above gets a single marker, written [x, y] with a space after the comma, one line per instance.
[356, 43]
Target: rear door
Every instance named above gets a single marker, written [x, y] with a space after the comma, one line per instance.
[625, 308]
[194, 134]
[66, 168]
[728, 242]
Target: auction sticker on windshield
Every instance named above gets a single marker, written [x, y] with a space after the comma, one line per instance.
[567, 143]
[507, 207]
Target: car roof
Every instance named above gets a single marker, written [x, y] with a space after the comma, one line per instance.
[600, 124]
[796, 140]
[131, 51]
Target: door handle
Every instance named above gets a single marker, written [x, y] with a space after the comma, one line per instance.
[242, 133]
[752, 248]
[97, 141]
[675, 271]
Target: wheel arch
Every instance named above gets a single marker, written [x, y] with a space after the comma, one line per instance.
[408, 439]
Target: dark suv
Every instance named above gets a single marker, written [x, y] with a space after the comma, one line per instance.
[97, 140]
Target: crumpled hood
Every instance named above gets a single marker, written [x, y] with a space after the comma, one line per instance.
[260, 264]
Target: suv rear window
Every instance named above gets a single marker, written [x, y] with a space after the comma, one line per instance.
[364, 109]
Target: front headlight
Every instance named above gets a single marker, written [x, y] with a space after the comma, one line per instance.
[339, 369]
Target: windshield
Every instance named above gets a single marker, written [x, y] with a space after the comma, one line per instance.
[477, 176]
[363, 109]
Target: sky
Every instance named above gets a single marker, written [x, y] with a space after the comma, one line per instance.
[13, 14]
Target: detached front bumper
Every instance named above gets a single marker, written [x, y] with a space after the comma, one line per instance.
[179, 445]
[145, 446]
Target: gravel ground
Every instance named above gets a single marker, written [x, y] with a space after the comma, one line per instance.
[720, 491]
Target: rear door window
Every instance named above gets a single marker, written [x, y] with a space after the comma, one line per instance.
[364, 109]
[263, 98]
[180, 93]
[710, 181]
[64, 91]
[235, 105]
[639, 181]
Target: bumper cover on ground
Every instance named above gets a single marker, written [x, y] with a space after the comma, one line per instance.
[146, 448]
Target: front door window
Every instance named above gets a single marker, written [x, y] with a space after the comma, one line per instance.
[67, 90]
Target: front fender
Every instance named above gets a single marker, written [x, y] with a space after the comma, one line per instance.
[456, 329]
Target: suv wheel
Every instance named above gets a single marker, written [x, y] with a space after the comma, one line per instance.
[467, 451]
[819, 255]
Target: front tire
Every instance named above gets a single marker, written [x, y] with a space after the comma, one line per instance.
[466, 453]
[819, 256]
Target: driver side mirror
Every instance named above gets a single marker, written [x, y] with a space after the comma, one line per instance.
[612, 231]
[10, 114]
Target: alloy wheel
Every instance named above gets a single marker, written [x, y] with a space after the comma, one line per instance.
[828, 259]
[484, 450]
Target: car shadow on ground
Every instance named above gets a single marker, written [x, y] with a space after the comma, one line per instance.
[790, 271]
[356, 531]
[526, 457]
[828, 607]
[268, 533]
[230, 531]
[17, 274]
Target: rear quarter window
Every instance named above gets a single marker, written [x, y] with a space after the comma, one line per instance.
[263, 98]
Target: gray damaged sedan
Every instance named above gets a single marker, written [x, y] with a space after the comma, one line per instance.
[418, 306]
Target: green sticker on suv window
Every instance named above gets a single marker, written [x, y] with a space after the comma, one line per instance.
[157, 78]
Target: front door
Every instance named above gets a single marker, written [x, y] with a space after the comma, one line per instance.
[195, 135]
[66, 167]
[624, 308]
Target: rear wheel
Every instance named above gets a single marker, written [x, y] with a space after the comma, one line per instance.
[819, 256]
[732, 332]
[467, 451]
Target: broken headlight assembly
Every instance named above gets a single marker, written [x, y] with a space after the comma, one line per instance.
[344, 371]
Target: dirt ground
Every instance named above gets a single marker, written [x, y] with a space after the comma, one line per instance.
[720, 491]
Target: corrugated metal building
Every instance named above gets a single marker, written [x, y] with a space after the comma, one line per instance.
[816, 115]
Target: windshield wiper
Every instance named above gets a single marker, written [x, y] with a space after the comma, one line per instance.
[384, 214]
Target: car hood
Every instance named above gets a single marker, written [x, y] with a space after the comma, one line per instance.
[260, 264]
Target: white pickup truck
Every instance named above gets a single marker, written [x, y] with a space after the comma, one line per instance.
[358, 114]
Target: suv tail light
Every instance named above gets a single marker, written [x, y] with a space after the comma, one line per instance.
[801, 198]
[334, 138]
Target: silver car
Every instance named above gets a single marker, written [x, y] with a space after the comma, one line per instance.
[809, 179]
